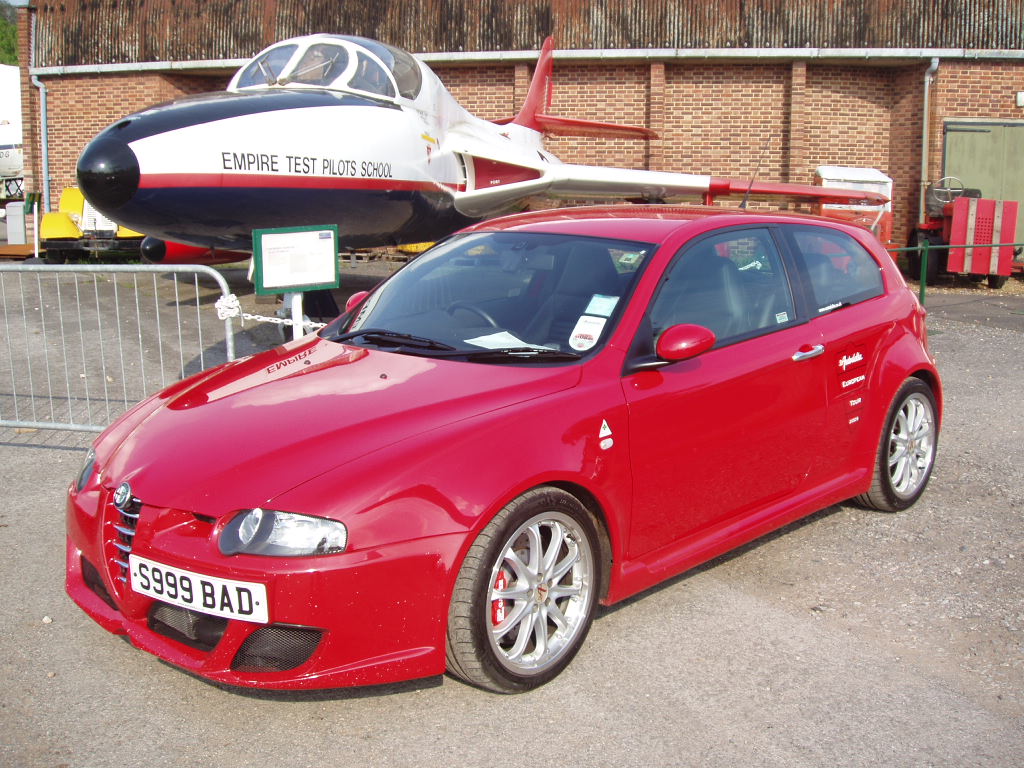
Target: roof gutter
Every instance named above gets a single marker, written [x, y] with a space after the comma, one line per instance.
[892, 56]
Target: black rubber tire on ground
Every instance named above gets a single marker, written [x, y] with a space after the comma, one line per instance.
[553, 525]
[996, 282]
[906, 449]
[55, 257]
[936, 256]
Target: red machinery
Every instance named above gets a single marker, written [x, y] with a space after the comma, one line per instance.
[972, 226]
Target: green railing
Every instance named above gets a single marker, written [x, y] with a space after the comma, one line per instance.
[925, 247]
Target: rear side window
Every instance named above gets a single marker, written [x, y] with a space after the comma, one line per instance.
[839, 270]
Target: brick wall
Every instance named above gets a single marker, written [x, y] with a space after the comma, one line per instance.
[722, 119]
[725, 119]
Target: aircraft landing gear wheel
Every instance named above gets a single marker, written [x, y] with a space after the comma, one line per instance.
[526, 594]
[906, 450]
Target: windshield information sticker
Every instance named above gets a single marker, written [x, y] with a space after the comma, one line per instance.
[601, 305]
[587, 332]
[502, 340]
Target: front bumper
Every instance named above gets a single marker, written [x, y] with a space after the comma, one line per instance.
[360, 618]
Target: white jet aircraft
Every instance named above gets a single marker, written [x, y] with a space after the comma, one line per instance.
[335, 129]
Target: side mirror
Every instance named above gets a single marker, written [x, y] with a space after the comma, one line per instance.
[678, 342]
[355, 299]
[681, 342]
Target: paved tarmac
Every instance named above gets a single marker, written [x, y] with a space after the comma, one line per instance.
[851, 638]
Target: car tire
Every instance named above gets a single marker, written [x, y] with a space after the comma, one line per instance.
[906, 450]
[541, 553]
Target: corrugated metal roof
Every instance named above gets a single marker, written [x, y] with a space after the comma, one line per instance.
[83, 32]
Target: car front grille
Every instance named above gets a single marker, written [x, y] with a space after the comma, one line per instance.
[196, 630]
[122, 534]
[276, 648]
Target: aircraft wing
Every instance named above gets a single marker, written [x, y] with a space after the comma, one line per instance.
[565, 180]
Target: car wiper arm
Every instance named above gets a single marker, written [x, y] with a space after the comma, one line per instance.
[519, 353]
[394, 339]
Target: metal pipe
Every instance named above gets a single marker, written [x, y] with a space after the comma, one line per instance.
[44, 122]
[929, 75]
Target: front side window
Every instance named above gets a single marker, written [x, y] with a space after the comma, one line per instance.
[543, 296]
[733, 283]
[839, 270]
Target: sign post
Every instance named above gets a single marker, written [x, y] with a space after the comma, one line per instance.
[293, 260]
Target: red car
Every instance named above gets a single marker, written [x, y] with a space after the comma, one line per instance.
[543, 412]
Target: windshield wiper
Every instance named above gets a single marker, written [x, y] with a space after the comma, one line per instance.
[384, 337]
[512, 354]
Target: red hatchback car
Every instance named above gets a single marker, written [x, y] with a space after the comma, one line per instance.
[542, 412]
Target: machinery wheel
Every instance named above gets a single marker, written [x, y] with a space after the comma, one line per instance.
[997, 281]
[526, 593]
[936, 257]
[56, 257]
[906, 450]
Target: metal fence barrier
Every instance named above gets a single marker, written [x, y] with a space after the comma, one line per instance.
[83, 343]
[933, 248]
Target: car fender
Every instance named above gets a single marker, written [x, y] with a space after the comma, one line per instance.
[903, 357]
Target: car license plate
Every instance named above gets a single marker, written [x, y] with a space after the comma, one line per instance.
[244, 600]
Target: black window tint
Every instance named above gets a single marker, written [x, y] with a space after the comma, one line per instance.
[840, 271]
[733, 283]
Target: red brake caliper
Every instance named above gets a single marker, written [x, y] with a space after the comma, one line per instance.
[498, 606]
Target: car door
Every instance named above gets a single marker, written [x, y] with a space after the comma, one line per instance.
[736, 428]
[848, 305]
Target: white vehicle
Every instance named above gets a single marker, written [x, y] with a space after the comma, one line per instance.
[334, 129]
[11, 159]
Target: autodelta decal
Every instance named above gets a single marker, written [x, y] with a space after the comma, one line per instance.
[605, 436]
[852, 372]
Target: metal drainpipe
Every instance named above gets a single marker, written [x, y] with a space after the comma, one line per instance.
[45, 126]
[928, 77]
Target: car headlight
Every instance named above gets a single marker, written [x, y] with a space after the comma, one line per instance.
[87, 470]
[282, 534]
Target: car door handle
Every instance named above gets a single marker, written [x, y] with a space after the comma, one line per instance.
[808, 351]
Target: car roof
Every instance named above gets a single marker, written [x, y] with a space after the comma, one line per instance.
[647, 223]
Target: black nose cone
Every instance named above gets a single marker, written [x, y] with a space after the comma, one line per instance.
[108, 173]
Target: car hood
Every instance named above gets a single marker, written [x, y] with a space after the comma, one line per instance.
[261, 426]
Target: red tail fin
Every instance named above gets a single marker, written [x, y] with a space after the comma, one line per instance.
[538, 98]
[534, 115]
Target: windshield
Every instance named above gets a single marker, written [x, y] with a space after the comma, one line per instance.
[320, 65]
[501, 297]
[266, 67]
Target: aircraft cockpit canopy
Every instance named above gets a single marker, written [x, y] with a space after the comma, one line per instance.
[338, 62]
